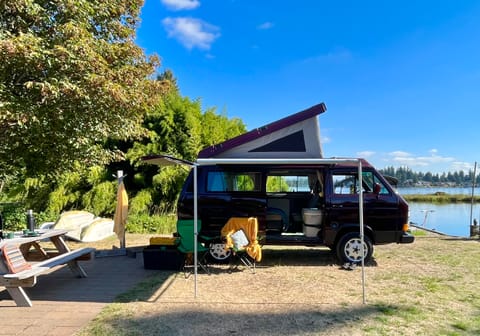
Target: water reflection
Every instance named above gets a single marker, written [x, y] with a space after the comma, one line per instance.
[453, 219]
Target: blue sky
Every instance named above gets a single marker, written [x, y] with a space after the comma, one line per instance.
[400, 78]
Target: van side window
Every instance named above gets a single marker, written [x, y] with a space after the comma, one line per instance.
[347, 184]
[218, 181]
[383, 189]
[371, 183]
[290, 183]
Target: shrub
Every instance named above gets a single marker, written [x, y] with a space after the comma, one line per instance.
[101, 199]
[140, 204]
[160, 224]
[14, 216]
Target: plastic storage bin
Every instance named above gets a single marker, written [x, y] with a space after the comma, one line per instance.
[312, 221]
[160, 257]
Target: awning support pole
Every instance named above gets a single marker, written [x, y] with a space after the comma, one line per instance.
[362, 238]
[195, 226]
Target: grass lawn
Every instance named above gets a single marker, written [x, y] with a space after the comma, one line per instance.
[430, 287]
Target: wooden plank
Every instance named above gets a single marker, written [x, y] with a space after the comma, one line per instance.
[65, 257]
[45, 265]
[85, 257]
[14, 259]
[19, 296]
[25, 274]
[28, 282]
[60, 244]
[44, 234]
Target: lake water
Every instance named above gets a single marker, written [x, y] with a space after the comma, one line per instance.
[433, 190]
[453, 219]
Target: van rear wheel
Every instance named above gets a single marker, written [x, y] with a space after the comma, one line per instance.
[349, 248]
[219, 253]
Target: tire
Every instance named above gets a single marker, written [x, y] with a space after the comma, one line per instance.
[218, 253]
[349, 248]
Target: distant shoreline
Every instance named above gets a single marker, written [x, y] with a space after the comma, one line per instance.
[441, 197]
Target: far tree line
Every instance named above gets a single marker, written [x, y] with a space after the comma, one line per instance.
[407, 177]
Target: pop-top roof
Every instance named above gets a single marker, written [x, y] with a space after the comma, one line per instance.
[296, 136]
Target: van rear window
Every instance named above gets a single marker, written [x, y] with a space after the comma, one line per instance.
[219, 181]
[288, 183]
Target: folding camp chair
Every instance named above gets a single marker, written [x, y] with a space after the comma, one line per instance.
[240, 235]
[240, 242]
[185, 230]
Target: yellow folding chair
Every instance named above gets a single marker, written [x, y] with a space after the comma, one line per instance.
[240, 235]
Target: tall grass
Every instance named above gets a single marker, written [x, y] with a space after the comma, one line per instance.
[160, 224]
[441, 198]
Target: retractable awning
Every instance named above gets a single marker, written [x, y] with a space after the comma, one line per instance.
[166, 160]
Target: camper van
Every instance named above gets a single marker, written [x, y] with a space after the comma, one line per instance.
[300, 204]
[277, 174]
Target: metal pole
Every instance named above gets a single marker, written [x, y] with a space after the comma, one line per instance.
[473, 191]
[195, 226]
[119, 180]
[360, 214]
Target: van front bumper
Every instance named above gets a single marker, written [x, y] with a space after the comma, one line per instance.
[406, 238]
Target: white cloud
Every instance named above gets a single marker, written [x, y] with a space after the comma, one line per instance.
[431, 161]
[465, 166]
[436, 159]
[400, 154]
[265, 26]
[177, 5]
[365, 154]
[191, 32]
[407, 159]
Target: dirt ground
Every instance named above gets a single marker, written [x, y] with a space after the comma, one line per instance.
[277, 300]
[423, 288]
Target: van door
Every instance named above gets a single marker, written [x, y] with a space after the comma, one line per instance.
[288, 192]
[381, 210]
[232, 193]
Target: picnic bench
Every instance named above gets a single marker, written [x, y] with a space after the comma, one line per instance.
[16, 272]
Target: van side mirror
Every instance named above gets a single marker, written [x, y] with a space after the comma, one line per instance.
[377, 188]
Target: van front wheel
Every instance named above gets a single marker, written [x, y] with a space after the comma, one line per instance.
[349, 248]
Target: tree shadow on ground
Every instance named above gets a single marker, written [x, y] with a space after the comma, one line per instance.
[265, 319]
[302, 257]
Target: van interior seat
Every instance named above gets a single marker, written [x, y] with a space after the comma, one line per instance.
[273, 214]
[278, 207]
